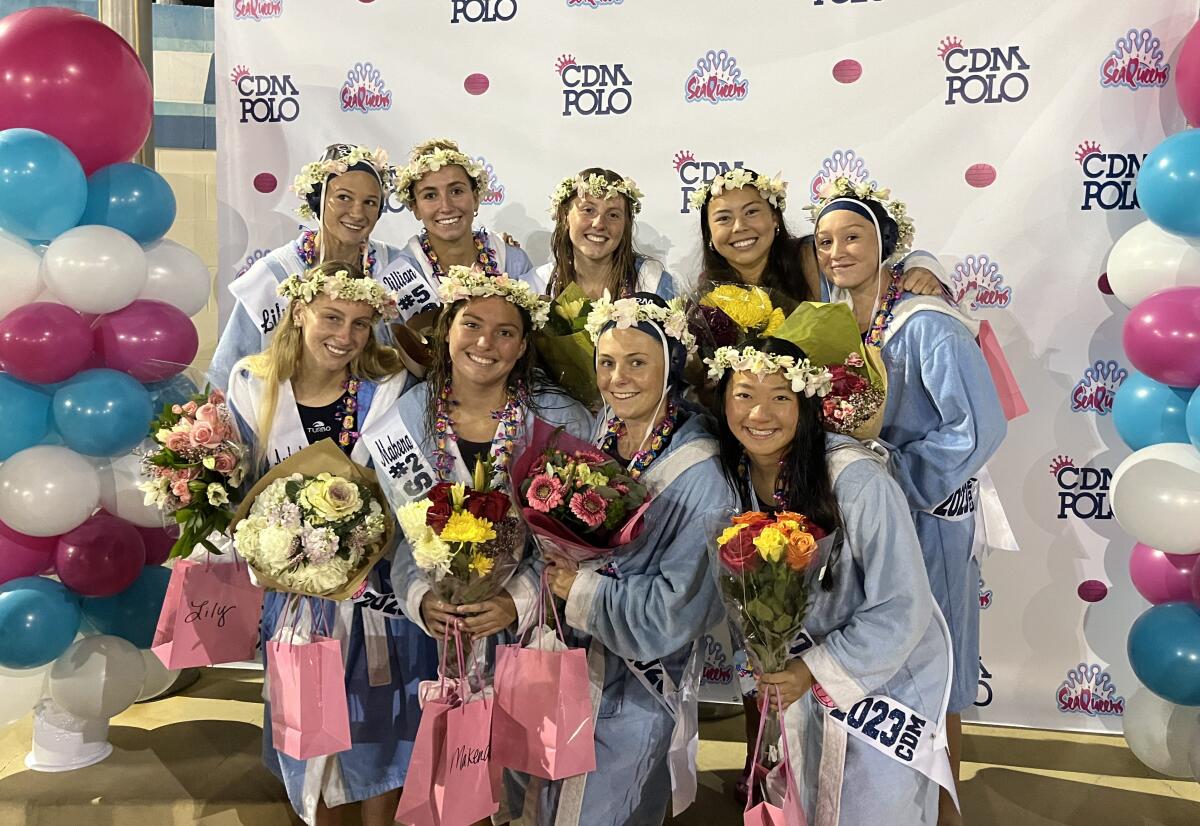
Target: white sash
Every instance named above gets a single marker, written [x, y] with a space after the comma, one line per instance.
[414, 292]
[256, 290]
[978, 499]
[404, 472]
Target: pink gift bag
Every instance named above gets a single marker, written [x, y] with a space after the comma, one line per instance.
[542, 723]
[210, 615]
[768, 814]
[1011, 398]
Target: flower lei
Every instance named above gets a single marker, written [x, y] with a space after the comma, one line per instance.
[629, 312]
[773, 190]
[432, 161]
[349, 413]
[660, 437]
[463, 283]
[318, 172]
[597, 186]
[306, 248]
[778, 496]
[340, 286]
[843, 187]
[510, 418]
[883, 317]
[483, 253]
[804, 377]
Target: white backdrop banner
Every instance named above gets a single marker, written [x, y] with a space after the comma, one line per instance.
[1013, 131]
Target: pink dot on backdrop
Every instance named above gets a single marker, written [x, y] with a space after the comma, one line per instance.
[265, 182]
[980, 175]
[847, 71]
[1092, 590]
[476, 83]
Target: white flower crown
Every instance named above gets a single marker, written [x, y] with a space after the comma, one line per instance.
[805, 377]
[432, 161]
[316, 173]
[773, 190]
[340, 286]
[464, 283]
[843, 187]
[629, 312]
[598, 187]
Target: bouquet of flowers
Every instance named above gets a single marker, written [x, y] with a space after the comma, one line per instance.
[315, 525]
[565, 348]
[728, 314]
[200, 463]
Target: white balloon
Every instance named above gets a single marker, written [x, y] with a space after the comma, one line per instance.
[98, 677]
[47, 490]
[1159, 732]
[1147, 259]
[158, 677]
[177, 276]
[1156, 497]
[95, 269]
[119, 494]
[20, 690]
[19, 265]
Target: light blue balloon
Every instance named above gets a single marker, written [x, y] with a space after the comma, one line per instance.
[1168, 184]
[1193, 418]
[1164, 650]
[133, 613]
[38, 620]
[42, 187]
[1147, 412]
[25, 413]
[102, 412]
[132, 198]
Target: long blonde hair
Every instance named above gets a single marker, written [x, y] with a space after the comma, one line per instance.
[280, 361]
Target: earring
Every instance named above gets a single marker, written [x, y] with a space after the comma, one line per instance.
[711, 247]
[777, 229]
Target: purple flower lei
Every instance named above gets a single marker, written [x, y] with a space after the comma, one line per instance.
[659, 438]
[510, 418]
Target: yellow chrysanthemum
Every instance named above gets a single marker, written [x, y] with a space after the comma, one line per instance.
[729, 533]
[749, 307]
[771, 544]
[773, 322]
[466, 527]
[481, 564]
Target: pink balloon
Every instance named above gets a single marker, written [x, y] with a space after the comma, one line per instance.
[22, 555]
[101, 557]
[44, 342]
[159, 542]
[1196, 584]
[149, 340]
[76, 79]
[1161, 577]
[1162, 336]
[1187, 76]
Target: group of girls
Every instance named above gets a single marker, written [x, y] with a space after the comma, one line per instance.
[891, 621]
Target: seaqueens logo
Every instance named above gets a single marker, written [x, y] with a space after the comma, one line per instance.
[992, 75]
[1097, 389]
[482, 11]
[495, 191]
[841, 163]
[592, 4]
[985, 595]
[1109, 180]
[266, 98]
[1082, 491]
[979, 278]
[364, 90]
[593, 89]
[257, 9]
[692, 173]
[1089, 690]
[250, 261]
[1135, 63]
[716, 79]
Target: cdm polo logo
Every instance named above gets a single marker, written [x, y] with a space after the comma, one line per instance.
[257, 9]
[1109, 179]
[364, 90]
[266, 98]
[716, 79]
[841, 163]
[1097, 389]
[983, 75]
[482, 11]
[1089, 690]
[1135, 63]
[495, 190]
[692, 173]
[1082, 491]
[593, 89]
[979, 278]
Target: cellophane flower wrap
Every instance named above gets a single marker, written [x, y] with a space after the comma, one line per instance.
[195, 473]
[575, 496]
[565, 348]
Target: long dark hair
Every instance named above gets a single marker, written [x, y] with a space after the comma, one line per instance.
[805, 472]
[562, 252]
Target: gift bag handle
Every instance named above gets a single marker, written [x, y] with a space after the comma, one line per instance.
[545, 596]
[787, 757]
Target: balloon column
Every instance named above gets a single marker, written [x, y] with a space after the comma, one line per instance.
[95, 305]
[1154, 270]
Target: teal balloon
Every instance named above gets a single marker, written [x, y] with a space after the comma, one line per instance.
[1193, 419]
[1147, 412]
[133, 613]
[1168, 184]
[42, 187]
[25, 412]
[38, 620]
[1164, 650]
[132, 198]
[102, 412]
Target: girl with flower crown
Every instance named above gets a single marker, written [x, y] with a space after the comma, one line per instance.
[326, 376]
[640, 612]
[592, 245]
[344, 192]
[943, 418]
[872, 637]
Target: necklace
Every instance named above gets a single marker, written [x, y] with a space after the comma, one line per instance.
[509, 417]
[660, 437]
[348, 413]
[306, 248]
[778, 496]
[483, 255]
[884, 317]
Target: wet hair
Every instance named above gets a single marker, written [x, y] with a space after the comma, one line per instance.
[562, 251]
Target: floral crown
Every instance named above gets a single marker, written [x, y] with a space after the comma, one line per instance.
[341, 286]
[597, 186]
[317, 173]
[629, 312]
[464, 283]
[843, 187]
[805, 377]
[431, 161]
[773, 190]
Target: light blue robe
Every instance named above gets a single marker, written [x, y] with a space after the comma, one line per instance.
[651, 278]
[661, 601]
